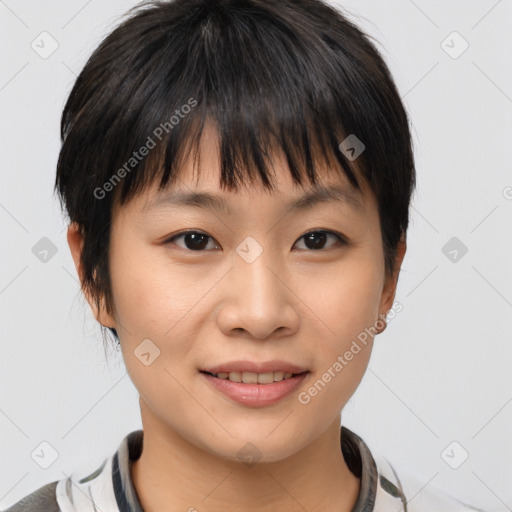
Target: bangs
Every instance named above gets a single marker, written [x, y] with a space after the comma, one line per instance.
[260, 99]
[264, 87]
[249, 136]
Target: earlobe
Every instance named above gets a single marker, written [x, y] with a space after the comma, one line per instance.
[75, 242]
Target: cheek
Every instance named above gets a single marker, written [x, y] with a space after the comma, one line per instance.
[346, 303]
[151, 294]
[160, 300]
[154, 311]
[346, 298]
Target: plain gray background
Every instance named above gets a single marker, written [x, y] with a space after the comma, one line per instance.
[439, 374]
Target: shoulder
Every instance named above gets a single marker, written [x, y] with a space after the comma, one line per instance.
[395, 485]
[43, 498]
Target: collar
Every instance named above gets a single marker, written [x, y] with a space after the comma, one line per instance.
[355, 452]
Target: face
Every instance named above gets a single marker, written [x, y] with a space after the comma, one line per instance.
[253, 280]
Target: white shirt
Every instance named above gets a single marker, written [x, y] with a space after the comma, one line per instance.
[110, 488]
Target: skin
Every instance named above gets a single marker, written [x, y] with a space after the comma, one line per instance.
[294, 302]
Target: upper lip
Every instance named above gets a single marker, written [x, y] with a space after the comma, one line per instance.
[254, 367]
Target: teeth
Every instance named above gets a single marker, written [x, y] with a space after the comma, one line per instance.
[254, 378]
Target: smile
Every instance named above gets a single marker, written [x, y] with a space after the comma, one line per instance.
[254, 378]
[249, 391]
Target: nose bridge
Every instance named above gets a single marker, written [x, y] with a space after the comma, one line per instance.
[259, 303]
[256, 269]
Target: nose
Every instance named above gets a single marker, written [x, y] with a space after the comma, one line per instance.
[258, 300]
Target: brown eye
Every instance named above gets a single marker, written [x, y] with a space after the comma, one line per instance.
[198, 241]
[192, 240]
[316, 240]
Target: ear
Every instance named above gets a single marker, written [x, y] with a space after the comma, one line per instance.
[76, 242]
[389, 290]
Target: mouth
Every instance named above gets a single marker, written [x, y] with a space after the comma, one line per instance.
[255, 389]
[255, 378]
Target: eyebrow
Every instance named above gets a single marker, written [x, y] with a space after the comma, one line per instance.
[319, 195]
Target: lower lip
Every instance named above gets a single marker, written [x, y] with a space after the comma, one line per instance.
[256, 395]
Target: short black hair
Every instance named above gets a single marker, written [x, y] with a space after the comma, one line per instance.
[289, 75]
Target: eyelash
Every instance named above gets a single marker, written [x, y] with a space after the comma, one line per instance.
[342, 240]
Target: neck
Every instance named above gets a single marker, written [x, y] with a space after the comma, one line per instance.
[315, 478]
